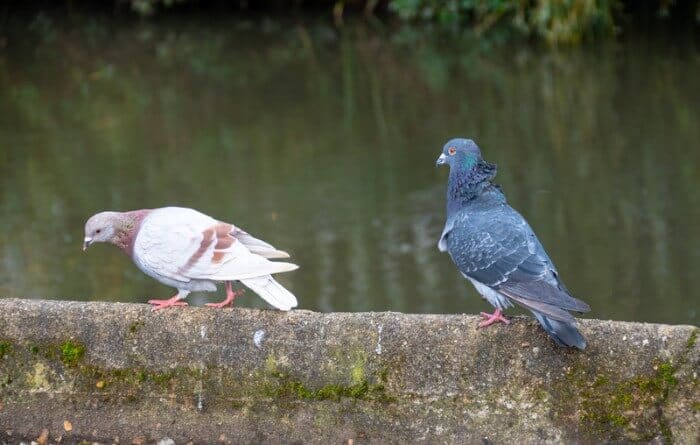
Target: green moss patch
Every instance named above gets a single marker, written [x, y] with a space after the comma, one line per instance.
[135, 326]
[62, 367]
[348, 368]
[284, 387]
[621, 409]
[692, 339]
[71, 352]
[5, 349]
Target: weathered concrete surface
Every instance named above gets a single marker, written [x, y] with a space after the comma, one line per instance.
[111, 372]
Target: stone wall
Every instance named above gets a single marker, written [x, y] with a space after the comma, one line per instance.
[108, 372]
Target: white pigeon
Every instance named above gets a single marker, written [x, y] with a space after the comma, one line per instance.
[191, 251]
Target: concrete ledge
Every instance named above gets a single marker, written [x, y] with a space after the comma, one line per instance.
[119, 372]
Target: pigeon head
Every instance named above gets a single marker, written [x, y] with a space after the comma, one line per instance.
[470, 175]
[460, 154]
[102, 228]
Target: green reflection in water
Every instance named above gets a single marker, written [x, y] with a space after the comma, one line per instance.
[324, 145]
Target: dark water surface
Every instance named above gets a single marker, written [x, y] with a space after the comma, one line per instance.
[324, 144]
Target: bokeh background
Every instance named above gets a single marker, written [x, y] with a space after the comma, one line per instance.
[321, 138]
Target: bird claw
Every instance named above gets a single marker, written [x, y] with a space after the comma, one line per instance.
[490, 319]
[162, 304]
[230, 296]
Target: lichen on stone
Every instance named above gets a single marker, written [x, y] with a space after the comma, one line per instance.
[38, 378]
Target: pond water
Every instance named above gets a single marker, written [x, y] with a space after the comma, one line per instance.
[324, 144]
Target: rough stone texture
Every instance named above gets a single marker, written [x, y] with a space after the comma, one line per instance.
[109, 371]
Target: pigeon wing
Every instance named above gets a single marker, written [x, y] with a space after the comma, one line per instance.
[226, 257]
[498, 248]
[167, 239]
[183, 244]
[256, 245]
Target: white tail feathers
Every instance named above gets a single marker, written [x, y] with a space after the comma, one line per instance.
[255, 267]
[272, 292]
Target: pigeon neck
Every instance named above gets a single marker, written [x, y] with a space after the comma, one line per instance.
[127, 226]
[465, 185]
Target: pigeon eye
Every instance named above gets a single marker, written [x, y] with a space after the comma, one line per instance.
[98, 230]
[452, 151]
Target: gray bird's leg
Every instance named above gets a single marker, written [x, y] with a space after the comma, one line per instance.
[230, 296]
[173, 301]
[490, 319]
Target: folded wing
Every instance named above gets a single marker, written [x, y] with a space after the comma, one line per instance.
[183, 244]
[501, 251]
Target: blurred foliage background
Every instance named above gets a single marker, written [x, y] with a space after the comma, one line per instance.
[553, 21]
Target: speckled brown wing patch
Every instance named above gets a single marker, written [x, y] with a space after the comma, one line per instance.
[224, 240]
[207, 240]
[219, 233]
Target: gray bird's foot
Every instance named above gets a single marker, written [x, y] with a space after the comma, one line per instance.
[170, 302]
[230, 296]
[490, 319]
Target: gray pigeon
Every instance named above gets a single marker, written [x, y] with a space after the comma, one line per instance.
[495, 248]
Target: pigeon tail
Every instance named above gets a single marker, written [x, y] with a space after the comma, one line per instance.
[558, 322]
[272, 292]
[564, 333]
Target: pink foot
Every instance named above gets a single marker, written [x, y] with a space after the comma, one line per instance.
[230, 296]
[162, 304]
[493, 318]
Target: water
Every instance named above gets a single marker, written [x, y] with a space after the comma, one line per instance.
[323, 143]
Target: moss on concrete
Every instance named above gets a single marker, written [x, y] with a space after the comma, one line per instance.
[135, 326]
[357, 368]
[5, 348]
[284, 387]
[607, 406]
[692, 339]
[50, 365]
[71, 352]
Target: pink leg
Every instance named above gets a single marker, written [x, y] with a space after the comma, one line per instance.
[230, 296]
[493, 318]
[162, 304]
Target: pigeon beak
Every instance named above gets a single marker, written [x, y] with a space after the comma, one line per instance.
[441, 160]
[86, 243]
